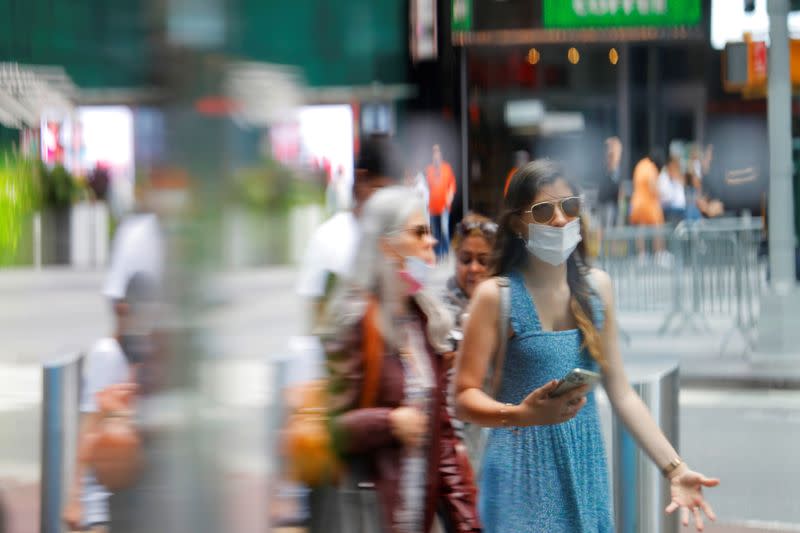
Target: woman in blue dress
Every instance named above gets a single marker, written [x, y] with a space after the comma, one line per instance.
[544, 466]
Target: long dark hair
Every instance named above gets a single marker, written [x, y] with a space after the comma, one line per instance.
[510, 252]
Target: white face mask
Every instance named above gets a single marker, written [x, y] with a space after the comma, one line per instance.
[551, 244]
[415, 273]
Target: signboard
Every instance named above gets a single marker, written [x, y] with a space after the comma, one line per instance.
[620, 13]
[462, 15]
[423, 38]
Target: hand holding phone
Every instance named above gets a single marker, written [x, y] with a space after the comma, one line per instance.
[541, 408]
[574, 379]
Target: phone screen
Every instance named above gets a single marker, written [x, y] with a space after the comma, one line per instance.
[574, 379]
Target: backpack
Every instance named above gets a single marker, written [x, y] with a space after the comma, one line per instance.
[306, 439]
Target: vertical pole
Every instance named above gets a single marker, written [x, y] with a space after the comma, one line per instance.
[464, 131]
[781, 208]
[653, 103]
[778, 335]
[624, 111]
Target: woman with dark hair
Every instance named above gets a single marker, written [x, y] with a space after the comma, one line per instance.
[544, 466]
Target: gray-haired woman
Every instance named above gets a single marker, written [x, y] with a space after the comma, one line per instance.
[405, 437]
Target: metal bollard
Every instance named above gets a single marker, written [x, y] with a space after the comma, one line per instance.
[61, 384]
[640, 491]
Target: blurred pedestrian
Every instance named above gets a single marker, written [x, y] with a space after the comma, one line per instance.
[331, 248]
[472, 246]
[404, 443]
[416, 180]
[120, 361]
[442, 187]
[544, 467]
[699, 203]
[646, 201]
[156, 497]
[608, 198]
[328, 258]
[672, 188]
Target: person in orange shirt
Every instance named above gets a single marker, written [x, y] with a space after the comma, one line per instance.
[646, 202]
[442, 187]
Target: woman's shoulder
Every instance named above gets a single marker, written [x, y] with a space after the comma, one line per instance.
[488, 292]
[600, 281]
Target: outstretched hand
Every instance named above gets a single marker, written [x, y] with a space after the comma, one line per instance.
[687, 495]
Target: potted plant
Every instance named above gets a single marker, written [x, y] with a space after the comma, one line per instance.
[59, 191]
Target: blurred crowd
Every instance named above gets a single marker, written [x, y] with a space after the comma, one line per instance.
[467, 407]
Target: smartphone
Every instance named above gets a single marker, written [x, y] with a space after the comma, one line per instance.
[574, 379]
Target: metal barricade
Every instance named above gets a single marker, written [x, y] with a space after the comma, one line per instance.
[691, 272]
[637, 260]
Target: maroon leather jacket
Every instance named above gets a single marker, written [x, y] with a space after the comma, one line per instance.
[366, 432]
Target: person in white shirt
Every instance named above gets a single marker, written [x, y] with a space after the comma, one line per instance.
[110, 361]
[137, 247]
[416, 180]
[672, 190]
[333, 244]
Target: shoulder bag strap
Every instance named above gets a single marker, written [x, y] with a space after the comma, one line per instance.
[502, 335]
[372, 348]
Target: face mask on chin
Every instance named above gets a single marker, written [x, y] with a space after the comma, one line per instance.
[415, 273]
[552, 244]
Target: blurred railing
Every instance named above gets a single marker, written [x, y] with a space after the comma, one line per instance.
[709, 268]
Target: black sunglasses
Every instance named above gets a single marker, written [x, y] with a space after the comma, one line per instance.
[545, 212]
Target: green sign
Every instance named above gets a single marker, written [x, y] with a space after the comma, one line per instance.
[620, 13]
[462, 15]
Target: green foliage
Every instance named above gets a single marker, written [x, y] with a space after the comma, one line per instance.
[272, 187]
[19, 199]
[59, 188]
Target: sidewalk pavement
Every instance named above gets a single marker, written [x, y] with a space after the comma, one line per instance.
[48, 311]
[703, 362]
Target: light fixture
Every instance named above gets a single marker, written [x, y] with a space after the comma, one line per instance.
[533, 56]
[613, 56]
[573, 55]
